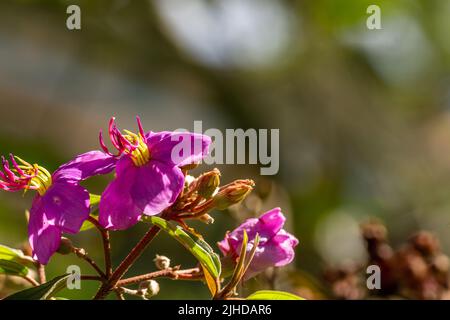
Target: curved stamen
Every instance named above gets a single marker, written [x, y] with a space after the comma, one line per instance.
[130, 143]
[23, 176]
[113, 131]
[7, 171]
[16, 166]
[103, 145]
[141, 129]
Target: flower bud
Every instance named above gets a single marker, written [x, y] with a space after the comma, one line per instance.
[162, 262]
[232, 193]
[206, 218]
[207, 183]
[148, 289]
[191, 166]
[65, 246]
[188, 180]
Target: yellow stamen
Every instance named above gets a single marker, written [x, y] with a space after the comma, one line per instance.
[140, 155]
[42, 179]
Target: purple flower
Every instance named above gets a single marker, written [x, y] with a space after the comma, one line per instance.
[148, 175]
[61, 204]
[275, 248]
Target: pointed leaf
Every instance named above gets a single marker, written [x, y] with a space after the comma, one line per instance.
[42, 292]
[9, 254]
[94, 200]
[12, 268]
[273, 295]
[210, 281]
[202, 255]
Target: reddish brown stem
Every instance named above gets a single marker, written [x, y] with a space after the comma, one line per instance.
[32, 281]
[94, 278]
[83, 255]
[134, 254]
[172, 273]
[41, 273]
[106, 245]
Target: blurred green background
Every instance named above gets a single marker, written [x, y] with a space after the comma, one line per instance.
[363, 114]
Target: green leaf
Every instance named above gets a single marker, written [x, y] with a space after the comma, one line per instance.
[208, 260]
[42, 292]
[238, 272]
[94, 200]
[215, 257]
[14, 255]
[210, 281]
[273, 295]
[12, 268]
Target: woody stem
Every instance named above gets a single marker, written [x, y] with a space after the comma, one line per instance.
[134, 254]
[106, 245]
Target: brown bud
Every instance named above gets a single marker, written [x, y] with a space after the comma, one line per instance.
[207, 183]
[191, 166]
[426, 243]
[65, 246]
[441, 263]
[206, 218]
[374, 230]
[148, 289]
[162, 262]
[232, 193]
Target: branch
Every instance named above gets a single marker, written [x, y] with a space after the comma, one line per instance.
[134, 254]
[41, 273]
[81, 253]
[106, 245]
[31, 280]
[172, 273]
[94, 278]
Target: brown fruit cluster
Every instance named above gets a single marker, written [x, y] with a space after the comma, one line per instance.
[416, 270]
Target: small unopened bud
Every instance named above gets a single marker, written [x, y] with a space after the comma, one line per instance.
[188, 180]
[232, 193]
[65, 246]
[80, 252]
[207, 183]
[162, 262]
[148, 289]
[206, 218]
[191, 166]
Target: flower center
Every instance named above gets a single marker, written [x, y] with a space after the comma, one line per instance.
[42, 181]
[140, 154]
[132, 144]
[24, 176]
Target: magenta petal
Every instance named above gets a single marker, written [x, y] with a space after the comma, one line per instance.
[278, 252]
[156, 186]
[85, 166]
[68, 204]
[117, 210]
[43, 235]
[285, 242]
[178, 148]
[275, 247]
[267, 226]
[236, 236]
[224, 245]
[270, 223]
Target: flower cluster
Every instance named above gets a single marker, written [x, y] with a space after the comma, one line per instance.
[151, 178]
